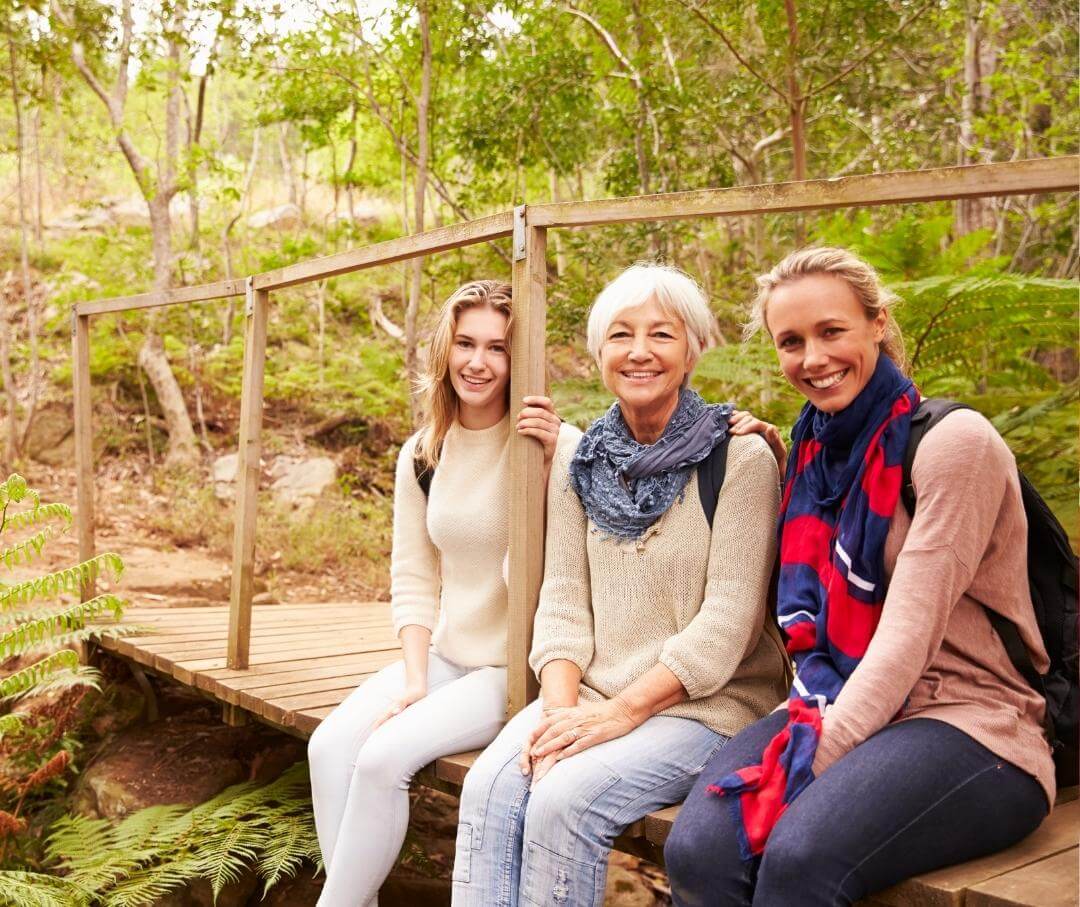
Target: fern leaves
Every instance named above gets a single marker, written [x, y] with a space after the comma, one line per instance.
[71, 579]
[33, 634]
[157, 850]
[39, 672]
[34, 889]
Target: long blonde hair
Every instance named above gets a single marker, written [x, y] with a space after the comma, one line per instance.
[856, 273]
[440, 399]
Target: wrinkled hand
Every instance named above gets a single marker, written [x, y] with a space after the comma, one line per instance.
[536, 767]
[744, 423]
[539, 420]
[565, 732]
[408, 697]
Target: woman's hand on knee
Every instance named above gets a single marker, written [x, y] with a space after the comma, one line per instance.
[408, 697]
[744, 423]
[568, 731]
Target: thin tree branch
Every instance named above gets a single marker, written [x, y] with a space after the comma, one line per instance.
[716, 29]
[847, 70]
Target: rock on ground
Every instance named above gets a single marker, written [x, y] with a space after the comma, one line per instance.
[299, 482]
[283, 217]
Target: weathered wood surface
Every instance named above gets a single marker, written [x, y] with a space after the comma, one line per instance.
[84, 442]
[1057, 174]
[248, 470]
[453, 236]
[305, 659]
[205, 292]
[527, 376]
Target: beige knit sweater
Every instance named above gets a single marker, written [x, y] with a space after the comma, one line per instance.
[446, 569]
[935, 653]
[690, 599]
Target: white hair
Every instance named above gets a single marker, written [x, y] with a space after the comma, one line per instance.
[676, 292]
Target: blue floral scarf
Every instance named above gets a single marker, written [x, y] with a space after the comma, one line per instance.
[625, 486]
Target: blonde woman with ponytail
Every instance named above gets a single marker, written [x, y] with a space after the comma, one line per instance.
[909, 741]
[448, 599]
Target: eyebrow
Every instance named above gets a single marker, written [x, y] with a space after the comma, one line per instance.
[817, 324]
[462, 336]
[666, 322]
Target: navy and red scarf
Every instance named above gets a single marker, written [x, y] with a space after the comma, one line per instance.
[841, 488]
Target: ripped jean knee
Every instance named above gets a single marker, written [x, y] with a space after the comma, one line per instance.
[549, 878]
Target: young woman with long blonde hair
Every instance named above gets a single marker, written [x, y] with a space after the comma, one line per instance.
[448, 600]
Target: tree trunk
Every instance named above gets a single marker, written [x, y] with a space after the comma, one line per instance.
[556, 235]
[979, 60]
[420, 190]
[24, 242]
[287, 167]
[11, 433]
[182, 450]
[796, 101]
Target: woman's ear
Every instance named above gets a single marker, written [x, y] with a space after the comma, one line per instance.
[881, 325]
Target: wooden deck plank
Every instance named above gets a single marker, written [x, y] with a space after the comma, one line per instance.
[181, 640]
[947, 887]
[1052, 882]
[346, 638]
[185, 671]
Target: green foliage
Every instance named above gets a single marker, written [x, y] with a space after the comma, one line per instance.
[38, 889]
[70, 579]
[268, 829]
[37, 751]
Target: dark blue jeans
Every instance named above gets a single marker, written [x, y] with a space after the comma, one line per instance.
[916, 796]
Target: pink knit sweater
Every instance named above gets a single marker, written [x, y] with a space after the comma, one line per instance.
[935, 653]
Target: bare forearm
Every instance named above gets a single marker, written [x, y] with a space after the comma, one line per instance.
[656, 689]
[559, 681]
[415, 642]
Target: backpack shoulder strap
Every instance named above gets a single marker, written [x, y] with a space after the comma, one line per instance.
[710, 472]
[931, 411]
[423, 473]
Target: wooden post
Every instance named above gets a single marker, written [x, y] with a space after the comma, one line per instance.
[84, 442]
[247, 477]
[527, 376]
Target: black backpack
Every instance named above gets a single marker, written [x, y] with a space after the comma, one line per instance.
[710, 471]
[1052, 576]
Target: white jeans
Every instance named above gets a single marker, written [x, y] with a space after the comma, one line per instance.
[360, 779]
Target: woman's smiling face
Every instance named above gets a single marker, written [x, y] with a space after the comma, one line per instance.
[480, 366]
[827, 346]
[645, 357]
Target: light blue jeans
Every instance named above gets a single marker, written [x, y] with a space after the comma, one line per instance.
[551, 846]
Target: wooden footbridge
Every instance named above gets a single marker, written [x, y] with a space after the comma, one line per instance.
[290, 665]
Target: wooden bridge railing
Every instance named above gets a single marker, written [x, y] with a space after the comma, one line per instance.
[528, 226]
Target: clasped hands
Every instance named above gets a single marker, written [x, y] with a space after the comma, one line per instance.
[566, 730]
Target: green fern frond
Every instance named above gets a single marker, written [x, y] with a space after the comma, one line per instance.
[226, 857]
[69, 580]
[50, 629]
[26, 550]
[154, 851]
[13, 490]
[24, 519]
[288, 847]
[146, 886]
[36, 889]
[39, 672]
[11, 724]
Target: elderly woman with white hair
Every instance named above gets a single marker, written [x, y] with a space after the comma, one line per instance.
[651, 640]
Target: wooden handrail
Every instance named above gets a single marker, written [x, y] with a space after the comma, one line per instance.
[900, 187]
[202, 293]
[442, 239]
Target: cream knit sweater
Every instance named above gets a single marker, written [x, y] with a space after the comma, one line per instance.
[446, 570]
[687, 597]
